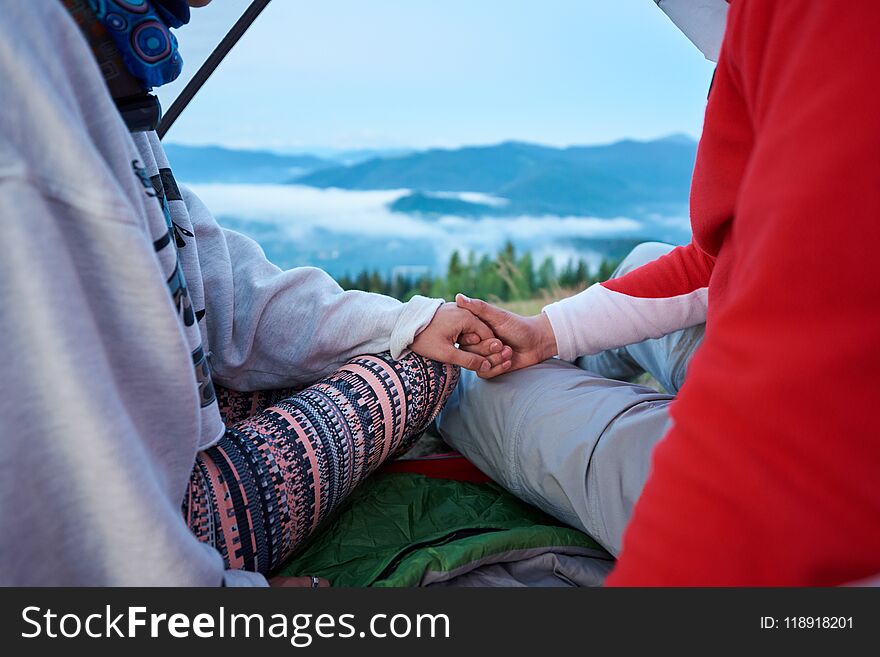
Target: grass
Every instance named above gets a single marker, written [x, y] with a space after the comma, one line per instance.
[533, 306]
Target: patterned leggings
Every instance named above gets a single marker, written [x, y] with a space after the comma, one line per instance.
[289, 458]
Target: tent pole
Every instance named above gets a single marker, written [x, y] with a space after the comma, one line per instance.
[192, 88]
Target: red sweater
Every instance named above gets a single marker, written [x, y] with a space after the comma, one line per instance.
[771, 472]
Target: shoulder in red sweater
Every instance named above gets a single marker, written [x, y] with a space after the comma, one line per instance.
[769, 474]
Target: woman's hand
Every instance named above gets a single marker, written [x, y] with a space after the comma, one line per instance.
[530, 339]
[437, 341]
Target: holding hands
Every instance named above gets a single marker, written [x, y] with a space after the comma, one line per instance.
[449, 327]
[491, 340]
[529, 340]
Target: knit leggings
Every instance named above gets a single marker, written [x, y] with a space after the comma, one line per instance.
[288, 459]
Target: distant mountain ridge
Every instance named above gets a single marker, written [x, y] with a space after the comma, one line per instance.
[626, 178]
[215, 164]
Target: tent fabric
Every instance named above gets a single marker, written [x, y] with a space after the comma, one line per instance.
[701, 21]
[404, 529]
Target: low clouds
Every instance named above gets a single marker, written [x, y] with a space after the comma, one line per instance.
[304, 215]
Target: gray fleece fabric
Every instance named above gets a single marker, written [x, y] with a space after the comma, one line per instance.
[122, 302]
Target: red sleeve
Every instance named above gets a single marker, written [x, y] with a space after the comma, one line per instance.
[681, 271]
[769, 474]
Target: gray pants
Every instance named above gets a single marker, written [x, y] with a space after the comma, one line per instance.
[575, 439]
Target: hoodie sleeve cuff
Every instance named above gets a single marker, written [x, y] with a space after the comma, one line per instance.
[561, 330]
[571, 319]
[416, 315]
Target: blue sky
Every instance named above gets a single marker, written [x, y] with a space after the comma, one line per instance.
[350, 74]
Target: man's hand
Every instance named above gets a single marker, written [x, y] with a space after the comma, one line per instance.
[437, 341]
[530, 339]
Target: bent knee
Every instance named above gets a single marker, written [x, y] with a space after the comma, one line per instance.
[440, 378]
[430, 383]
[438, 372]
[642, 254]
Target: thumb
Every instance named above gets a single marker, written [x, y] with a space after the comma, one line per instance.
[485, 311]
[473, 362]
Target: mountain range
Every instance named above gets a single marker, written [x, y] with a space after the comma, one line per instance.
[638, 179]
[215, 164]
[626, 178]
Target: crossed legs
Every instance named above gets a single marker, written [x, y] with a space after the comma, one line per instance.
[575, 442]
[288, 458]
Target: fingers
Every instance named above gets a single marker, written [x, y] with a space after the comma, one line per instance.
[494, 353]
[482, 347]
[494, 356]
[485, 311]
[469, 339]
[474, 305]
[505, 355]
[468, 361]
[477, 327]
[496, 370]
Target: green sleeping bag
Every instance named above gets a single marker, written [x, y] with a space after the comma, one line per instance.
[405, 529]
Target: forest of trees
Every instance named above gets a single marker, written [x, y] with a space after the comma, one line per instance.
[506, 277]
